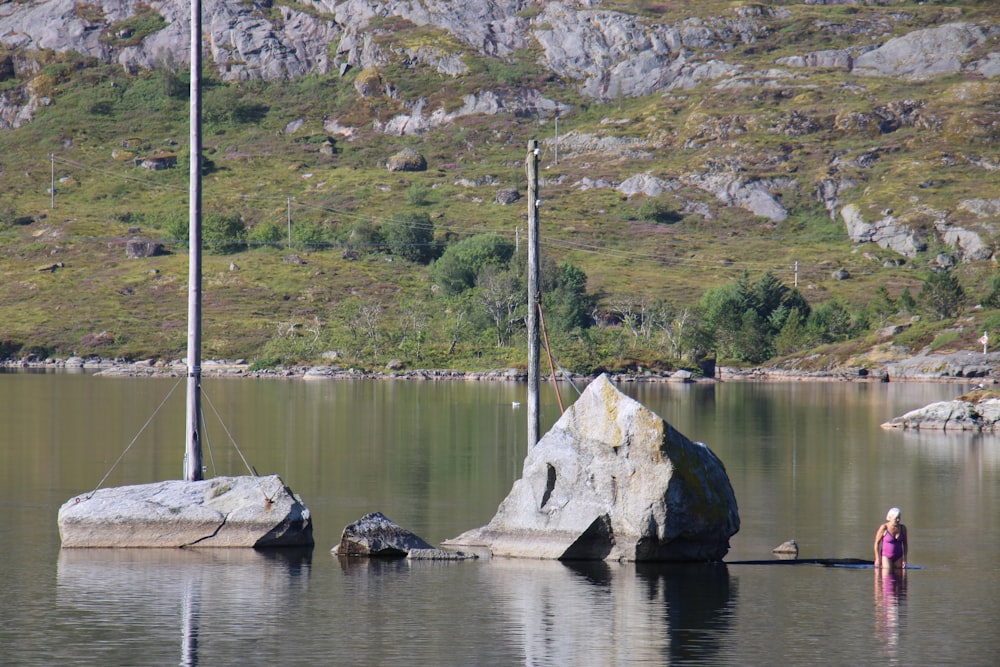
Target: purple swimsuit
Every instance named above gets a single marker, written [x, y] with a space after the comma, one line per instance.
[892, 547]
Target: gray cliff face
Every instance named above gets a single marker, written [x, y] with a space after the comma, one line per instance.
[608, 54]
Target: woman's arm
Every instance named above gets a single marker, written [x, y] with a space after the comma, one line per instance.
[879, 534]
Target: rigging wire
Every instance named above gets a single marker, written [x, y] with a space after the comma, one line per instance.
[548, 352]
[232, 440]
[134, 440]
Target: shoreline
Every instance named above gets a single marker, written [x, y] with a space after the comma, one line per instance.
[948, 368]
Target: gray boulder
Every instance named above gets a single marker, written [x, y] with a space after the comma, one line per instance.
[407, 160]
[219, 512]
[507, 196]
[375, 535]
[612, 481]
[139, 248]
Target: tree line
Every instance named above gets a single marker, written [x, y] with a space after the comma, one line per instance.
[477, 308]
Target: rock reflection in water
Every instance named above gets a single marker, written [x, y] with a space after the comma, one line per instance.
[123, 598]
[614, 613]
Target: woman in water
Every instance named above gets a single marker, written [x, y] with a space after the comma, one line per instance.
[890, 543]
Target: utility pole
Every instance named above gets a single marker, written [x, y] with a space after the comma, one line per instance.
[796, 273]
[531, 166]
[52, 186]
[557, 134]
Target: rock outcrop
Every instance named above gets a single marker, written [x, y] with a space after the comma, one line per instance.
[921, 54]
[886, 232]
[955, 415]
[219, 512]
[612, 481]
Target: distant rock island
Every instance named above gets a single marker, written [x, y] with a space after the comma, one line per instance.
[977, 411]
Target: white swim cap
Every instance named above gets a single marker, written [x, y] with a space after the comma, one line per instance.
[893, 513]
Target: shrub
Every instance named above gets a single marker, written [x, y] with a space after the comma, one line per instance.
[458, 266]
[223, 232]
[416, 194]
[310, 234]
[265, 234]
[364, 237]
[992, 299]
[411, 236]
[9, 348]
[659, 211]
[8, 214]
[942, 295]
[228, 105]
[944, 338]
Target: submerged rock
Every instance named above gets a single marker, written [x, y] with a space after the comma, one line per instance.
[219, 512]
[613, 481]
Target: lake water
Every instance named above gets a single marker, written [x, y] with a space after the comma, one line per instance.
[807, 461]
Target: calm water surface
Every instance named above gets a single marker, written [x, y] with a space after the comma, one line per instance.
[807, 461]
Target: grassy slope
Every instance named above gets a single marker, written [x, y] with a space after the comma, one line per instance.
[258, 167]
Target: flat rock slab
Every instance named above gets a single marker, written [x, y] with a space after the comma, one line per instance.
[241, 511]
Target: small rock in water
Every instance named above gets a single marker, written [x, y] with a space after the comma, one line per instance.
[376, 536]
[789, 547]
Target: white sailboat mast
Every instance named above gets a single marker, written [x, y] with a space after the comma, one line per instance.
[192, 450]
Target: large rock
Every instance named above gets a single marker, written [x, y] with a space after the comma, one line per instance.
[141, 248]
[613, 481]
[406, 160]
[219, 512]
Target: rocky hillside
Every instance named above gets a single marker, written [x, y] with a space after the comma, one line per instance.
[858, 137]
